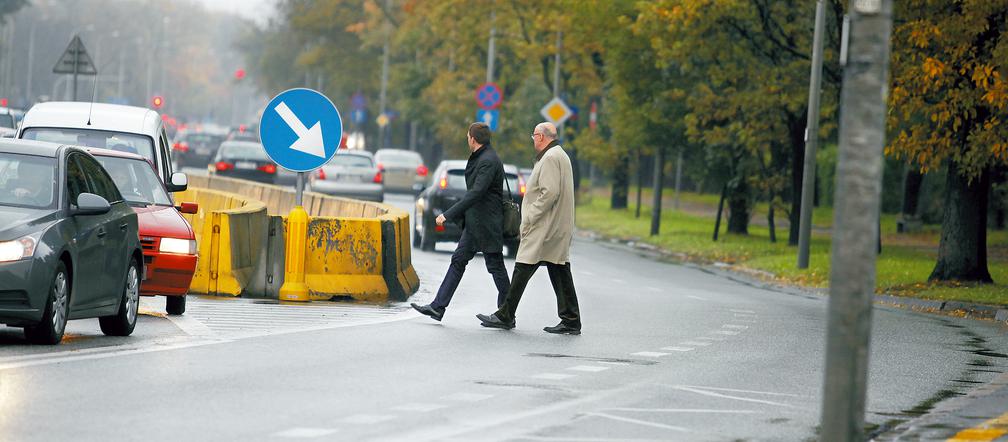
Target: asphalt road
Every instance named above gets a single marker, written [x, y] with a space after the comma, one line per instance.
[668, 353]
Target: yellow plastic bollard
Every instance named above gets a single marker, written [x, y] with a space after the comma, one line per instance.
[294, 287]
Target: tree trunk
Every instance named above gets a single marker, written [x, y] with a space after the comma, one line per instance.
[640, 181]
[962, 253]
[658, 184]
[770, 219]
[720, 208]
[911, 192]
[797, 170]
[621, 183]
[739, 210]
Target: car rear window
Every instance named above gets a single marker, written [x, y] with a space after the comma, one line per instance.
[7, 120]
[27, 181]
[203, 138]
[409, 159]
[350, 160]
[243, 151]
[122, 142]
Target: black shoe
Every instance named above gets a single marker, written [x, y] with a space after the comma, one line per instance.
[562, 329]
[429, 311]
[493, 321]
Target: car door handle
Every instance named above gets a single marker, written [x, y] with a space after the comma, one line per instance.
[101, 232]
[123, 226]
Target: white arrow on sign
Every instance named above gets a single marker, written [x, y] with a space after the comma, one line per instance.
[309, 141]
[488, 119]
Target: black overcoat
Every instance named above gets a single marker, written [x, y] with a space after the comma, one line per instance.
[479, 212]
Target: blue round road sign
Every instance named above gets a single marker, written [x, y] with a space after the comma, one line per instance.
[300, 129]
[489, 96]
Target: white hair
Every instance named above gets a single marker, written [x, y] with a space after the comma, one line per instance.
[547, 129]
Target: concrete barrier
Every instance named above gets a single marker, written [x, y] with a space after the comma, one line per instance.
[354, 248]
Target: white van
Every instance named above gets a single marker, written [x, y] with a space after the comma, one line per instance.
[107, 126]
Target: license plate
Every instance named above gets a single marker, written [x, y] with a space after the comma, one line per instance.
[203, 151]
[245, 165]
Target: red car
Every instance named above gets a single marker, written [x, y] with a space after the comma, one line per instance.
[167, 239]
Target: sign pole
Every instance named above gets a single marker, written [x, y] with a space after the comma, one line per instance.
[811, 139]
[76, 69]
[300, 189]
[858, 191]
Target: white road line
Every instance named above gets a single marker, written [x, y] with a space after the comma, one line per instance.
[553, 376]
[366, 419]
[695, 343]
[705, 392]
[735, 326]
[678, 348]
[649, 354]
[468, 397]
[654, 289]
[190, 325]
[734, 310]
[712, 338]
[419, 407]
[683, 410]
[696, 297]
[304, 433]
[638, 422]
[618, 281]
[736, 390]
[725, 332]
[588, 439]
[588, 368]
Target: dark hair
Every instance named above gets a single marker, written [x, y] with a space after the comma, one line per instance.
[480, 132]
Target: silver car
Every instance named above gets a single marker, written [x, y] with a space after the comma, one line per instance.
[351, 174]
[404, 170]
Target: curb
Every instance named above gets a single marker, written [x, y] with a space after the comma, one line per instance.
[752, 277]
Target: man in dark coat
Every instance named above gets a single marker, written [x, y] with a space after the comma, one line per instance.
[480, 214]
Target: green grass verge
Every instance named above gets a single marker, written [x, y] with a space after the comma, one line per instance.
[902, 269]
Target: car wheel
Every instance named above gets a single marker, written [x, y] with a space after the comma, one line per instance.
[427, 239]
[49, 331]
[123, 322]
[175, 305]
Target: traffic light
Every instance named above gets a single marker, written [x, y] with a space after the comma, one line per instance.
[157, 101]
[239, 74]
[3, 102]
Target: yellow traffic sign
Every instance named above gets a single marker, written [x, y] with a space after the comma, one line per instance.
[556, 111]
[382, 120]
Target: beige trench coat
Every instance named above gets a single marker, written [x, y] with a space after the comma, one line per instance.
[547, 211]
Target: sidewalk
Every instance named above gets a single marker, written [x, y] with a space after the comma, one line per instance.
[980, 415]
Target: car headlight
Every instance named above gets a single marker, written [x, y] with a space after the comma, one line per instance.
[20, 248]
[177, 245]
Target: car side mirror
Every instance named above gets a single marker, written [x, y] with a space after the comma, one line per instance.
[190, 208]
[179, 182]
[91, 204]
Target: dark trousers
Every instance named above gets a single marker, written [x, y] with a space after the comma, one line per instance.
[463, 254]
[563, 286]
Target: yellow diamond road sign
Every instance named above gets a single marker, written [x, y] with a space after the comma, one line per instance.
[556, 111]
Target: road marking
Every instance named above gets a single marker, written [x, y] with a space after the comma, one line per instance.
[553, 376]
[654, 289]
[712, 338]
[305, 433]
[649, 354]
[734, 310]
[586, 273]
[726, 332]
[682, 410]
[618, 281]
[735, 326]
[678, 348]
[468, 397]
[588, 439]
[696, 297]
[706, 392]
[736, 390]
[988, 431]
[366, 419]
[588, 368]
[638, 422]
[419, 407]
[695, 343]
[190, 326]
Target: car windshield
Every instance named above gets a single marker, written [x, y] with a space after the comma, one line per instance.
[243, 151]
[7, 120]
[456, 180]
[136, 180]
[407, 159]
[348, 160]
[27, 181]
[122, 142]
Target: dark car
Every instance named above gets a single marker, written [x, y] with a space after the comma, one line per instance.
[69, 246]
[196, 149]
[447, 188]
[246, 160]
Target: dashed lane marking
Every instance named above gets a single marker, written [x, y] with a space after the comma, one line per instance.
[366, 419]
[654, 289]
[419, 407]
[468, 397]
[588, 368]
[649, 354]
[713, 392]
[638, 422]
[675, 348]
[734, 310]
[305, 433]
[553, 376]
[683, 410]
[712, 338]
[735, 326]
[695, 343]
[726, 332]
[696, 297]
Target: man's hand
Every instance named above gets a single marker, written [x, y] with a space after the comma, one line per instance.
[440, 220]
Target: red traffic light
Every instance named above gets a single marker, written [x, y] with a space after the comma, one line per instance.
[158, 101]
[239, 74]
[3, 102]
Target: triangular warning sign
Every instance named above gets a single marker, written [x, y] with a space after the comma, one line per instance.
[75, 60]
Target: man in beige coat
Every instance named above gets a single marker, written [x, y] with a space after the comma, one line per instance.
[547, 228]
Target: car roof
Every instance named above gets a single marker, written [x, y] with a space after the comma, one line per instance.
[360, 153]
[397, 151]
[103, 116]
[246, 143]
[113, 153]
[29, 147]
